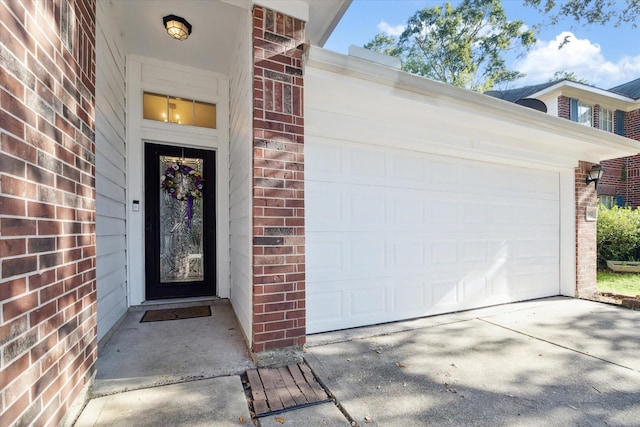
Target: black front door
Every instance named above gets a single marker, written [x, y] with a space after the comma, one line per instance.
[180, 224]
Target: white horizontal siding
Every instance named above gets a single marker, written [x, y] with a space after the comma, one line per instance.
[240, 180]
[111, 264]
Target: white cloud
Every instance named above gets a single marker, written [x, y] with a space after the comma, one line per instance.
[390, 29]
[579, 56]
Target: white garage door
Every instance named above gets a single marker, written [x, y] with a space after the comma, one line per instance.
[395, 234]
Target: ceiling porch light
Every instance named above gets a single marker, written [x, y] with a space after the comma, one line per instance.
[177, 27]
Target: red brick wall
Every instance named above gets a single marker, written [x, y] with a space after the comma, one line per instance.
[47, 208]
[596, 117]
[632, 124]
[632, 130]
[633, 180]
[586, 250]
[564, 107]
[615, 178]
[614, 181]
[278, 182]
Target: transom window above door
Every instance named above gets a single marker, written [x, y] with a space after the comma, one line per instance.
[181, 111]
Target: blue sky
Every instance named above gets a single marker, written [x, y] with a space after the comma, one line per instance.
[603, 55]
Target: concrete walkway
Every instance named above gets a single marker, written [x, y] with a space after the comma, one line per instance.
[556, 361]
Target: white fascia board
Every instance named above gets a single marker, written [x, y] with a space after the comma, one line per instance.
[294, 8]
[586, 143]
[370, 55]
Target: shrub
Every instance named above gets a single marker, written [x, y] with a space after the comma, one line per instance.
[618, 234]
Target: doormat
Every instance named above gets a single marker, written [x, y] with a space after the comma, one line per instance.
[176, 313]
[276, 390]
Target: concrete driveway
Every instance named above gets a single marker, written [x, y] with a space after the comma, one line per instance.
[557, 361]
[550, 362]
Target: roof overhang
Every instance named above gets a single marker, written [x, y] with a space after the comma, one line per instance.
[588, 94]
[459, 122]
[321, 16]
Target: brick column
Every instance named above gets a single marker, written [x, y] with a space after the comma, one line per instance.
[586, 245]
[564, 107]
[279, 311]
[47, 208]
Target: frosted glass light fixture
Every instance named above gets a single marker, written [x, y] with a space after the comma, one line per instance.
[595, 174]
[177, 27]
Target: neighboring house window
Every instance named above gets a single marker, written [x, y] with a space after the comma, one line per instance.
[610, 201]
[580, 112]
[607, 201]
[585, 114]
[606, 120]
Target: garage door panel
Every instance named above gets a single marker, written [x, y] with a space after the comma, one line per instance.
[474, 286]
[326, 256]
[444, 252]
[367, 255]
[408, 168]
[411, 296]
[328, 309]
[409, 234]
[407, 210]
[474, 251]
[410, 254]
[367, 163]
[367, 208]
[443, 212]
[445, 295]
[326, 208]
[370, 299]
[501, 214]
[474, 213]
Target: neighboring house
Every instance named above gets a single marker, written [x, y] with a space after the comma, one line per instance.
[337, 192]
[615, 110]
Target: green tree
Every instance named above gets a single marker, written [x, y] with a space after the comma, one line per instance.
[384, 43]
[568, 75]
[590, 11]
[463, 46]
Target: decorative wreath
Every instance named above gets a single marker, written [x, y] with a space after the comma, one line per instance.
[183, 183]
[172, 185]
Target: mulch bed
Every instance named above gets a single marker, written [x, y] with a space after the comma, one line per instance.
[623, 300]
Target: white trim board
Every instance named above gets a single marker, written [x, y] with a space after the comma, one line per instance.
[146, 74]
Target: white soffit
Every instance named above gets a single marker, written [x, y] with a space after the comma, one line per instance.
[216, 24]
[210, 47]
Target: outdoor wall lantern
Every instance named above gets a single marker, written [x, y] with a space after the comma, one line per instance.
[177, 27]
[595, 174]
